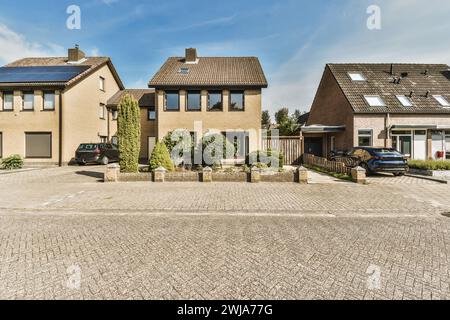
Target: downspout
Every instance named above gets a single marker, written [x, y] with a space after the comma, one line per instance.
[107, 128]
[60, 129]
[386, 128]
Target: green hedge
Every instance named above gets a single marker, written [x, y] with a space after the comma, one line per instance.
[129, 134]
[438, 165]
[12, 162]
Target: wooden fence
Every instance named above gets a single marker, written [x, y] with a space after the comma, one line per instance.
[332, 166]
[290, 147]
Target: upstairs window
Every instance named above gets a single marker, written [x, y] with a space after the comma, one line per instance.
[115, 115]
[194, 101]
[442, 101]
[102, 83]
[375, 101]
[183, 70]
[237, 101]
[172, 101]
[151, 113]
[405, 101]
[357, 76]
[49, 101]
[28, 101]
[8, 101]
[215, 101]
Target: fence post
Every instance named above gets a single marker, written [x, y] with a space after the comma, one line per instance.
[302, 173]
[160, 174]
[255, 175]
[207, 174]
[359, 175]
[112, 173]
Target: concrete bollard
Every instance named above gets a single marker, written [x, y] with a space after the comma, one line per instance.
[207, 174]
[255, 175]
[159, 174]
[359, 175]
[112, 173]
[302, 174]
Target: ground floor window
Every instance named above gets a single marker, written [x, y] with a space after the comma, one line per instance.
[365, 138]
[103, 139]
[38, 145]
[402, 142]
[447, 145]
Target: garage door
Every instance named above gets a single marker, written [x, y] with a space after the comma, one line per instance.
[38, 145]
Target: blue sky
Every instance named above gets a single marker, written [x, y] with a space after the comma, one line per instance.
[294, 39]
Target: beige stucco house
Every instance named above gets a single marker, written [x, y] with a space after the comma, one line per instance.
[48, 106]
[405, 106]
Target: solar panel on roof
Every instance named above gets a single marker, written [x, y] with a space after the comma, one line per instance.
[40, 74]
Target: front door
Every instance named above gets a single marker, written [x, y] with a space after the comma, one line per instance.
[151, 145]
[314, 146]
[420, 145]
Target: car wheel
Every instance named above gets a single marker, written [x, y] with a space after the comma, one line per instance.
[399, 174]
[81, 163]
[365, 167]
[105, 160]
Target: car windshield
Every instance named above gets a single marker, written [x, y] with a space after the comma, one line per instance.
[87, 147]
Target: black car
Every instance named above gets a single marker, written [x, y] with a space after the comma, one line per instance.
[377, 159]
[100, 153]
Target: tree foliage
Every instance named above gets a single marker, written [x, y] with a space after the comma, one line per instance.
[265, 119]
[129, 134]
[161, 158]
[282, 115]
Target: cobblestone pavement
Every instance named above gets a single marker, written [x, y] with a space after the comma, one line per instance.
[220, 240]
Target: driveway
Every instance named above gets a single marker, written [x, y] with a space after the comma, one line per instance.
[65, 235]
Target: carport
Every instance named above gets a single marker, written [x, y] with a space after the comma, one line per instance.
[319, 140]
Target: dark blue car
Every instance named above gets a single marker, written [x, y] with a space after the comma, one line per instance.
[378, 159]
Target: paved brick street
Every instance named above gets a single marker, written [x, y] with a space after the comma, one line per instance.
[220, 240]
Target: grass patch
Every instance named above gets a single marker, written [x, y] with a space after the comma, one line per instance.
[437, 165]
[341, 176]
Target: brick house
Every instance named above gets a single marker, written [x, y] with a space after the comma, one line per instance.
[48, 106]
[405, 106]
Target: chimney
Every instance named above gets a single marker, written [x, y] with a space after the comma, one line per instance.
[191, 55]
[75, 54]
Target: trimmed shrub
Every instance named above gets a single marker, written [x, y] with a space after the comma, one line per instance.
[269, 157]
[183, 144]
[12, 162]
[129, 134]
[438, 165]
[161, 158]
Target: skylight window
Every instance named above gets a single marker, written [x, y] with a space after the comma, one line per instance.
[375, 101]
[442, 101]
[357, 76]
[405, 101]
[184, 71]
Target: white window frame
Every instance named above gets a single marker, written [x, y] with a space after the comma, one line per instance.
[102, 83]
[400, 99]
[11, 108]
[382, 103]
[114, 115]
[24, 106]
[366, 135]
[45, 106]
[442, 100]
[356, 76]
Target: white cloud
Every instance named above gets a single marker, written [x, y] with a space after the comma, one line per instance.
[94, 52]
[14, 46]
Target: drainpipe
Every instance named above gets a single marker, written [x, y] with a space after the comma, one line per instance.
[107, 128]
[386, 128]
[60, 129]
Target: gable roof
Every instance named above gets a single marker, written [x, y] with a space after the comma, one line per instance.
[145, 97]
[211, 71]
[418, 78]
[93, 64]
